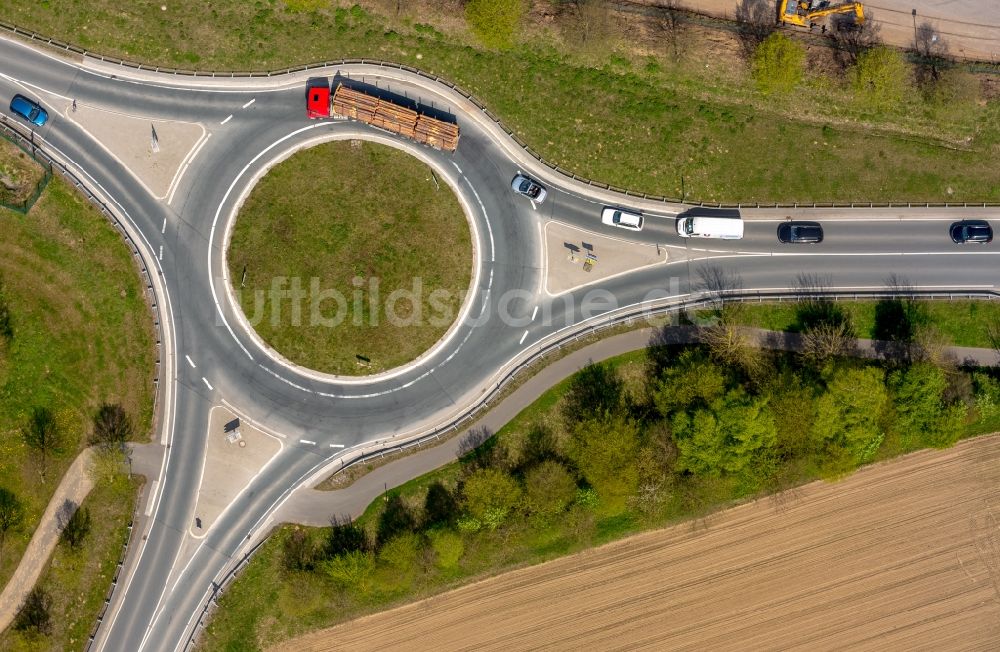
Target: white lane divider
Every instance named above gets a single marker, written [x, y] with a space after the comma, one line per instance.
[306, 441]
[227, 119]
[190, 362]
[249, 103]
[207, 384]
[164, 229]
[336, 445]
[534, 313]
[522, 338]
[161, 252]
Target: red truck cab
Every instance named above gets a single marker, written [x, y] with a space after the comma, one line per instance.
[318, 102]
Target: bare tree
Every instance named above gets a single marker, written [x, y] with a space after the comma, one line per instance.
[590, 24]
[756, 20]
[852, 38]
[42, 433]
[732, 344]
[671, 25]
[932, 51]
[827, 340]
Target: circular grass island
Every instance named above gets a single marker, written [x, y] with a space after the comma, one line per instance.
[350, 258]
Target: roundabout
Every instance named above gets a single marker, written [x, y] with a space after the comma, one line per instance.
[208, 358]
[351, 258]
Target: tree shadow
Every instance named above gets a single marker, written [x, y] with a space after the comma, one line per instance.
[755, 20]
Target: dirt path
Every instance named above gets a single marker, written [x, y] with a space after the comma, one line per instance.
[969, 28]
[74, 487]
[902, 555]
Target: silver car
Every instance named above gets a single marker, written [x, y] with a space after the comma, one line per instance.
[530, 188]
[623, 219]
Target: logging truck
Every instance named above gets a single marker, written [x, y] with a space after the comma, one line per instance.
[379, 112]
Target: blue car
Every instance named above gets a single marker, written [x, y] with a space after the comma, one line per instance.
[30, 111]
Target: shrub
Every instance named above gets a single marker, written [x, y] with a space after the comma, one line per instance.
[880, 77]
[345, 537]
[400, 553]
[448, 548]
[777, 64]
[549, 488]
[352, 570]
[490, 496]
[594, 390]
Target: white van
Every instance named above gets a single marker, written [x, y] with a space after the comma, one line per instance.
[727, 228]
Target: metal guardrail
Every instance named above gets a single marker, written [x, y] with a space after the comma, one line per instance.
[114, 580]
[708, 300]
[256, 74]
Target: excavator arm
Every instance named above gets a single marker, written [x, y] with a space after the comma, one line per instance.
[804, 12]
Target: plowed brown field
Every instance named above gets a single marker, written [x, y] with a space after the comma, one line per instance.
[903, 555]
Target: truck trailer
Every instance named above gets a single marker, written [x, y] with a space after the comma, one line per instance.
[378, 112]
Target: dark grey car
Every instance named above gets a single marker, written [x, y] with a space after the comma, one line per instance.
[800, 232]
[977, 231]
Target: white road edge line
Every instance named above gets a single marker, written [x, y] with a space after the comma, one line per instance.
[153, 488]
[207, 384]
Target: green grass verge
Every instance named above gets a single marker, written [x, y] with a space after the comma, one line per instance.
[361, 222]
[82, 336]
[78, 580]
[640, 118]
[19, 173]
[962, 322]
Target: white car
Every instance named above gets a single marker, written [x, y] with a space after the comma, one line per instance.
[624, 219]
[530, 188]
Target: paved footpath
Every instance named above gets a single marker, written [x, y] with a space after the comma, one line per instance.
[314, 507]
[969, 28]
[74, 487]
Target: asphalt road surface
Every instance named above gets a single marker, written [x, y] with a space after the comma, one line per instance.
[209, 356]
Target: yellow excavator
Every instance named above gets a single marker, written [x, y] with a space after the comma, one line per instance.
[806, 12]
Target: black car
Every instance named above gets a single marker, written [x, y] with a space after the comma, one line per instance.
[800, 232]
[978, 231]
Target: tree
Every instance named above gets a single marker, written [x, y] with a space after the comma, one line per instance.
[43, 434]
[755, 20]
[395, 519]
[880, 77]
[440, 506]
[729, 438]
[671, 25]
[35, 613]
[847, 429]
[596, 389]
[931, 51]
[692, 381]
[730, 343]
[827, 340]
[112, 426]
[603, 449]
[6, 323]
[490, 496]
[11, 514]
[76, 527]
[922, 415]
[851, 38]
[777, 64]
[345, 536]
[549, 488]
[494, 22]
[590, 26]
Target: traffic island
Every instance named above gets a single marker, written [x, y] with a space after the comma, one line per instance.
[235, 454]
[575, 257]
[350, 258]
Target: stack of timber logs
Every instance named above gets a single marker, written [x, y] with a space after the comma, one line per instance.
[397, 119]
